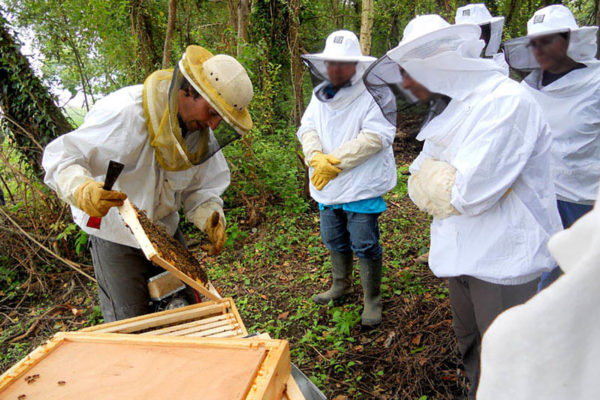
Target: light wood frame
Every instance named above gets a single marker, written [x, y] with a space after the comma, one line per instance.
[269, 383]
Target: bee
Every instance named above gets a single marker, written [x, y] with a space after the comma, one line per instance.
[32, 378]
[22, 397]
[62, 383]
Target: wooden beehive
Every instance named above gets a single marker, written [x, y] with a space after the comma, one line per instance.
[101, 366]
[208, 319]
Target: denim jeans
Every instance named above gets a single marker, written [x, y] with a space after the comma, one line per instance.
[569, 213]
[345, 231]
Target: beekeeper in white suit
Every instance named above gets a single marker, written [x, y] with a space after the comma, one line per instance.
[347, 143]
[165, 133]
[565, 80]
[484, 175]
[491, 30]
[548, 348]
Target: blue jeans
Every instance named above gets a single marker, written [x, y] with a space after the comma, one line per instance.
[569, 213]
[345, 231]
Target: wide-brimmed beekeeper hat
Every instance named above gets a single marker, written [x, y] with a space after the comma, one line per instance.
[223, 82]
[548, 21]
[480, 15]
[426, 35]
[340, 46]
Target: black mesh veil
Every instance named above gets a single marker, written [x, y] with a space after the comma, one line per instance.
[384, 81]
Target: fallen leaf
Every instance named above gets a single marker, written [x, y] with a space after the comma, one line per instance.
[340, 397]
[283, 315]
[417, 339]
[331, 353]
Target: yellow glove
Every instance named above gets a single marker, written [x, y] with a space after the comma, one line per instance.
[324, 169]
[95, 201]
[215, 230]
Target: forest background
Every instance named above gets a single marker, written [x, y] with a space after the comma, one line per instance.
[274, 260]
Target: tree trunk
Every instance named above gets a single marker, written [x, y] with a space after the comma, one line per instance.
[29, 113]
[243, 11]
[297, 73]
[366, 26]
[141, 25]
[296, 69]
[166, 61]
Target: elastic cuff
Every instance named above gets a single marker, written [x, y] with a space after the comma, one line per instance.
[68, 180]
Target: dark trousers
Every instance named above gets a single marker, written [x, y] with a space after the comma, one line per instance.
[122, 273]
[569, 213]
[475, 304]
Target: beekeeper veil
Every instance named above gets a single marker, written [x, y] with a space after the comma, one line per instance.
[383, 80]
[442, 57]
[222, 81]
[340, 46]
[491, 27]
[547, 21]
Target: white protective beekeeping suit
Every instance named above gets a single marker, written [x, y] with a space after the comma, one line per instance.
[484, 169]
[570, 104]
[163, 171]
[480, 15]
[350, 126]
[548, 348]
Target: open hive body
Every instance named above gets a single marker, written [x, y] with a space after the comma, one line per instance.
[104, 366]
[208, 319]
[130, 216]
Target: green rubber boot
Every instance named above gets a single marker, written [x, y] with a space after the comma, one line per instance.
[341, 274]
[370, 278]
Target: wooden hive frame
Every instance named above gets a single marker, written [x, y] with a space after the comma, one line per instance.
[208, 319]
[131, 220]
[269, 382]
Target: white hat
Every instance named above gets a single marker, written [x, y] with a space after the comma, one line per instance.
[551, 19]
[547, 21]
[426, 35]
[475, 14]
[480, 15]
[341, 46]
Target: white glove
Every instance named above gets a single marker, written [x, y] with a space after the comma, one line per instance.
[204, 212]
[311, 144]
[431, 188]
[68, 180]
[356, 151]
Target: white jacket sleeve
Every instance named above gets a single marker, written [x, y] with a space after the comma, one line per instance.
[356, 151]
[110, 132]
[492, 157]
[311, 144]
[202, 197]
[376, 134]
[68, 180]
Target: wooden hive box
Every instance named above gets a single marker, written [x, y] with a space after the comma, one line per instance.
[102, 366]
[209, 319]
